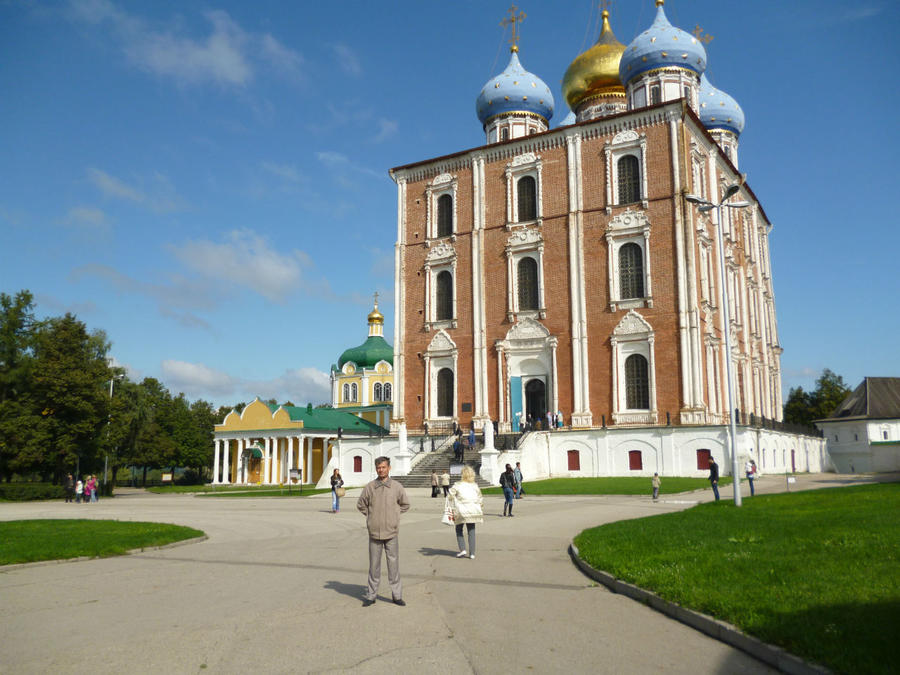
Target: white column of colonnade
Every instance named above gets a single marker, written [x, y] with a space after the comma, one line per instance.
[226, 474]
[217, 448]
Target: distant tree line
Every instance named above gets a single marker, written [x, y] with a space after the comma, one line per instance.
[57, 415]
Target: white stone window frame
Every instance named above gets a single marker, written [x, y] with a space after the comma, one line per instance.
[441, 353]
[444, 184]
[524, 243]
[440, 258]
[625, 143]
[630, 227]
[528, 164]
[633, 335]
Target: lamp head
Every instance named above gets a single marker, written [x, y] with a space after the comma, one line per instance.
[730, 191]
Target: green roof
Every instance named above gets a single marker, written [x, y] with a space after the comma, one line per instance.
[370, 352]
[329, 419]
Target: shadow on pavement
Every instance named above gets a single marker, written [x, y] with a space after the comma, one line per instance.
[353, 590]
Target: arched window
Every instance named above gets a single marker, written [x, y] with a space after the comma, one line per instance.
[388, 394]
[637, 383]
[444, 308]
[527, 198]
[574, 459]
[346, 393]
[444, 216]
[528, 284]
[377, 391]
[631, 271]
[629, 177]
[354, 392]
[635, 463]
[445, 393]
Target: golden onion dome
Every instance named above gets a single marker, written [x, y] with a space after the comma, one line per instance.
[596, 71]
[375, 316]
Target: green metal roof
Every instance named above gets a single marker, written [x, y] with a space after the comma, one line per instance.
[370, 352]
[329, 419]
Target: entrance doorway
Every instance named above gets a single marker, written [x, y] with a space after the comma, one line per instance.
[254, 469]
[536, 401]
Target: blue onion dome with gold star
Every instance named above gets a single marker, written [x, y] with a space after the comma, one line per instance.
[595, 73]
[515, 90]
[662, 46]
[718, 110]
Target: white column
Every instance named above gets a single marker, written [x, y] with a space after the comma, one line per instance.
[288, 442]
[217, 448]
[501, 386]
[427, 408]
[226, 474]
[554, 389]
[266, 460]
[307, 444]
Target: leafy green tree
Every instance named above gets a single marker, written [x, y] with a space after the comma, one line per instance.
[19, 422]
[202, 448]
[804, 407]
[154, 446]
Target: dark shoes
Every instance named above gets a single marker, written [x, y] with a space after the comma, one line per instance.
[399, 601]
[367, 602]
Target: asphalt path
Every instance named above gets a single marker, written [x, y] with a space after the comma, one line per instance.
[277, 588]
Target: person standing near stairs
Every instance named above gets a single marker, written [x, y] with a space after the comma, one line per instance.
[435, 484]
[445, 482]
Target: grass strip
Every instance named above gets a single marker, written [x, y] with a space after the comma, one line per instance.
[611, 486]
[24, 541]
[192, 489]
[815, 572]
[270, 492]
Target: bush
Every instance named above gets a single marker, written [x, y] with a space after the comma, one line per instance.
[189, 477]
[29, 492]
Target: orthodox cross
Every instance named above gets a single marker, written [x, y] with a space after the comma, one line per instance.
[698, 33]
[513, 20]
[376, 298]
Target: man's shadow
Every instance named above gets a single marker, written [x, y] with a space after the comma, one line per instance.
[353, 590]
[437, 551]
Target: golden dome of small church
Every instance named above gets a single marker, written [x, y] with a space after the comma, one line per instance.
[362, 381]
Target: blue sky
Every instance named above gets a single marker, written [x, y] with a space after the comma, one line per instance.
[207, 181]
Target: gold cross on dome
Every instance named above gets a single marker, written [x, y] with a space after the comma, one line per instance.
[376, 298]
[698, 33]
[512, 20]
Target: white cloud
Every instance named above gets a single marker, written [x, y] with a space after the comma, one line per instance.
[347, 59]
[288, 172]
[227, 55]
[246, 259]
[111, 186]
[339, 163]
[88, 216]
[197, 380]
[160, 196]
[386, 129]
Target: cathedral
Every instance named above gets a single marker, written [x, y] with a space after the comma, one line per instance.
[574, 270]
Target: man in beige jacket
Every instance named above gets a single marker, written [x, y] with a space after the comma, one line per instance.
[381, 502]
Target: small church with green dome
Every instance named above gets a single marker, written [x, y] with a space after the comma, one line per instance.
[362, 381]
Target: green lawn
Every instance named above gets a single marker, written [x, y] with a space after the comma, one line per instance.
[182, 489]
[815, 572]
[267, 491]
[32, 540]
[611, 486]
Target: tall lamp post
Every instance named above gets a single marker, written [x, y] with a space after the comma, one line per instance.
[112, 381]
[705, 206]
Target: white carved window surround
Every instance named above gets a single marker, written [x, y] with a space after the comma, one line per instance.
[630, 227]
[443, 185]
[440, 258]
[632, 336]
[521, 166]
[441, 353]
[525, 243]
[625, 143]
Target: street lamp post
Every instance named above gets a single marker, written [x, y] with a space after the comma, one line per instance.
[705, 206]
[108, 425]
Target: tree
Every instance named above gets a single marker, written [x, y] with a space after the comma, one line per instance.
[18, 421]
[804, 407]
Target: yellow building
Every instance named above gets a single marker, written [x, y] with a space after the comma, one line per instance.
[362, 381]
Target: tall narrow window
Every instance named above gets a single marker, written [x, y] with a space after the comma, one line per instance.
[654, 94]
[629, 179]
[504, 134]
[637, 384]
[635, 461]
[445, 392]
[377, 391]
[631, 271]
[357, 464]
[574, 460]
[354, 392]
[703, 459]
[528, 284]
[444, 300]
[388, 394]
[346, 393]
[445, 216]
[527, 198]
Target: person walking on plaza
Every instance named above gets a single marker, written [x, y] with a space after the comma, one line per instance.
[714, 477]
[381, 502]
[517, 472]
[654, 482]
[337, 483]
[445, 482]
[466, 502]
[95, 489]
[88, 487]
[70, 489]
[79, 491]
[750, 471]
[435, 484]
[508, 483]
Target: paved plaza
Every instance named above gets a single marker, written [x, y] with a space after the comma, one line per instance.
[277, 588]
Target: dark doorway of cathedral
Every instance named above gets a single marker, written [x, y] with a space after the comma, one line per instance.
[536, 401]
[254, 469]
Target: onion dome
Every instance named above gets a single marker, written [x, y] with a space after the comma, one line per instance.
[662, 46]
[718, 110]
[515, 90]
[370, 352]
[568, 119]
[375, 316]
[595, 72]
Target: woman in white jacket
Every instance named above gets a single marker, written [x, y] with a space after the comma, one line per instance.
[466, 502]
